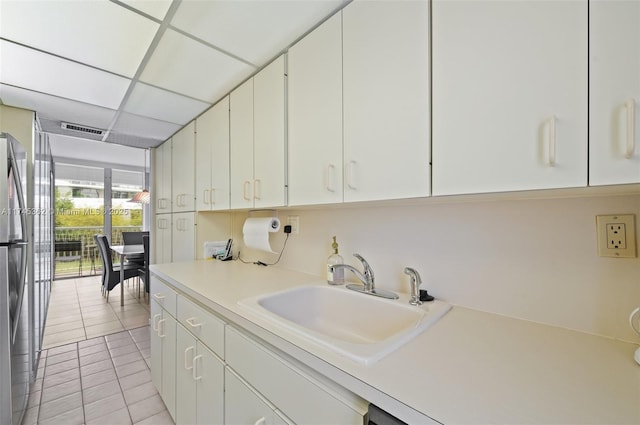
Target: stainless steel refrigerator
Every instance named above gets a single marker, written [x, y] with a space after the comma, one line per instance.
[14, 326]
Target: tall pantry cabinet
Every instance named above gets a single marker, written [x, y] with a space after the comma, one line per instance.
[614, 92]
[509, 95]
[162, 197]
[175, 218]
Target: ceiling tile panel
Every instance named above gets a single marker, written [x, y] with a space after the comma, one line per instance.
[23, 67]
[155, 8]
[57, 108]
[160, 104]
[186, 66]
[98, 32]
[255, 30]
[144, 127]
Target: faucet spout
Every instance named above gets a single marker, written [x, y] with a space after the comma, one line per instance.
[355, 271]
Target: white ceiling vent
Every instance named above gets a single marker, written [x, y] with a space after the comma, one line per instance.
[82, 129]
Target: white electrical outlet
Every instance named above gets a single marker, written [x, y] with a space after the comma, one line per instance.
[616, 235]
[294, 222]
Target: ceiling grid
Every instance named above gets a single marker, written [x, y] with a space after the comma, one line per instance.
[140, 70]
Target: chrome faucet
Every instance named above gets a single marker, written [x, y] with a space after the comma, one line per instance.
[367, 278]
[415, 285]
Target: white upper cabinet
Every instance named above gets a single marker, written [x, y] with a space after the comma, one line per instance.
[183, 237]
[509, 95]
[269, 135]
[386, 99]
[241, 145]
[183, 176]
[257, 138]
[614, 92]
[315, 116]
[162, 177]
[212, 158]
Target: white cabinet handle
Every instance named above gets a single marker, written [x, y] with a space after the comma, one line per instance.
[161, 322]
[256, 189]
[631, 318]
[159, 297]
[331, 169]
[186, 363]
[261, 421]
[212, 196]
[631, 128]
[192, 322]
[205, 199]
[195, 363]
[551, 153]
[155, 319]
[245, 193]
[350, 180]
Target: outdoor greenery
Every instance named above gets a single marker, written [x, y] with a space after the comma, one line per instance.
[66, 215]
[81, 224]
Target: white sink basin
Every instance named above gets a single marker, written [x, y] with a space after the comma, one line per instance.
[362, 327]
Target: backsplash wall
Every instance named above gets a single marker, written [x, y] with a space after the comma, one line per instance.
[534, 259]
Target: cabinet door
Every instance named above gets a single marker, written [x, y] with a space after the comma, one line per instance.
[219, 192]
[209, 378]
[241, 145]
[242, 404]
[186, 397]
[315, 116]
[509, 95]
[162, 177]
[386, 99]
[162, 239]
[204, 148]
[614, 92]
[156, 345]
[167, 333]
[183, 161]
[269, 135]
[183, 237]
[212, 158]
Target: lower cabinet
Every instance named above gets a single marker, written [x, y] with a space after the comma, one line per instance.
[163, 355]
[304, 397]
[208, 372]
[200, 382]
[243, 405]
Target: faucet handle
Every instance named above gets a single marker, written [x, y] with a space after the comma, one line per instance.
[368, 271]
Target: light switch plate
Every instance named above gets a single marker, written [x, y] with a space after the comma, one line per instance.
[616, 235]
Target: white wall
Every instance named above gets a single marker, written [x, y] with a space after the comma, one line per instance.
[534, 259]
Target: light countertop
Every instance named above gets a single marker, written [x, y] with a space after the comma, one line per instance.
[469, 367]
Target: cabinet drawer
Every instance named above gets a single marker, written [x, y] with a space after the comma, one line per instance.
[165, 296]
[203, 325]
[297, 395]
[243, 405]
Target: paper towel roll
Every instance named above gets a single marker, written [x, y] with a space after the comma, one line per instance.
[256, 232]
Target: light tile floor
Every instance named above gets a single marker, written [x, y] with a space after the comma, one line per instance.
[95, 368]
[104, 380]
[78, 311]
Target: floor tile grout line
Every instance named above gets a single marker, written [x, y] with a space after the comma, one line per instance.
[84, 328]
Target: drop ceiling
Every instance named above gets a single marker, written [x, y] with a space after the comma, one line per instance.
[139, 69]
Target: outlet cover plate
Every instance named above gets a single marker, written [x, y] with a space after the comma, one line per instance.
[616, 235]
[294, 222]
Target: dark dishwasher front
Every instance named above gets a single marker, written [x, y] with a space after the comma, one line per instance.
[377, 416]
